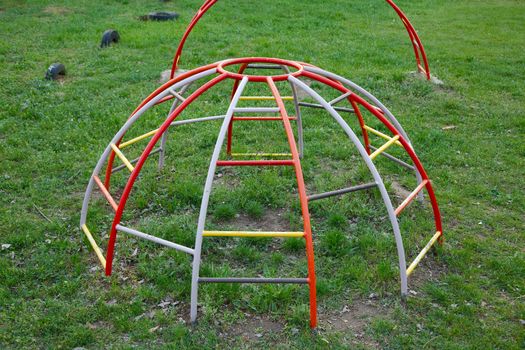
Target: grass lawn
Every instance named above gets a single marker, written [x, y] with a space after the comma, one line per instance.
[468, 294]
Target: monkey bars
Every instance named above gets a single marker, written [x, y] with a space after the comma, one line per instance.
[419, 50]
[209, 77]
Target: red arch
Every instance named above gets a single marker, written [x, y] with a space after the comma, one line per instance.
[419, 50]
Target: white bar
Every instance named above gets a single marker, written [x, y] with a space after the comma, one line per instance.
[340, 98]
[197, 120]
[257, 110]
[155, 239]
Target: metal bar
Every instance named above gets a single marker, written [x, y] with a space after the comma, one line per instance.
[380, 134]
[384, 147]
[256, 110]
[262, 118]
[133, 161]
[206, 198]
[155, 239]
[422, 254]
[197, 120]
[263, 66]
[137, 139]
[341, 191]
[94, 245]
[251, 234]
[394, 159]
[254, 162]
[410, 197]
[252, 280]
[264, 98]
[105, 192]
[340, 98]
[122, 157]
[261, 154]
[177, 95]
[315, 105]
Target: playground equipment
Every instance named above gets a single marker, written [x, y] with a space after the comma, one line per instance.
[175, 89]
[419, 50]
[185, 90]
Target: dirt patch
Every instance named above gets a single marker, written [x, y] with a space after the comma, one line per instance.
[399, 191]
[253, 328]
[272, 220]
[57, 10]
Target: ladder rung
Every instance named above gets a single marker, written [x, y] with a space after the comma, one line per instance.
[137, 139]
[384, 147]
[380, 134]
[251, 234]
[94, 245]
[264, 98]
[122, 157]
[177, 95]
[252, 280]
[133, 161]
[341, 191]
[263, 66]
[422, 254]
[316, 105]
[410, 197]
[106, 193]
[261, 154]
[155, 239]
[256, 110]
[254, 162]
[262, 118]
[394, 159]
[340, 98]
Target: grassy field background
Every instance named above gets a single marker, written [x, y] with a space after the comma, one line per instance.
[470, 295]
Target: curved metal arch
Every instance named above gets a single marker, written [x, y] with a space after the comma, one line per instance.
[417, 45]
[371, 167]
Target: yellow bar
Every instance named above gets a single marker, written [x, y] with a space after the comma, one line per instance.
[264, 98]
[422, 253]
[122, 157]
[380, 134]
[137, 139]
[384, 147]
[250, 234]
[261, 154]
[94, 245]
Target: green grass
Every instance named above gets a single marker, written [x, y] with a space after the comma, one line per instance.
[468, 295]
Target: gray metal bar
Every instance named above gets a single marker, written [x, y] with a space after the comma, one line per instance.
[315, 105]
[263, 66]
[133, 161]
[122, 131]
[378, 103]
[256, 110]
[377, 178]
[155, 239]
[206, 198]
[197, 120]
[397, 160]
[341, 191]
[252, 280]
[340, 98]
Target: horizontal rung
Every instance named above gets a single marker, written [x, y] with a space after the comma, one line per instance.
[254, 162]
[422, 254]
[122, 157]
[315, 105]
[264, 66]
[341, 191]
[105, 192]
[251, 234]
[384, 147]
[94, 245]
[264, 98]
[155, 239]
[133, 161]
[380, 134]
[340, 98]
[262, 118]
[394, 159]
[256, 110]
[197, 120]
[410, 197]
[261, 154]
[137, 139]
[252, 280]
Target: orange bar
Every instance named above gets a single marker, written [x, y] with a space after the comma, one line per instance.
[105, 193]
[410, 197]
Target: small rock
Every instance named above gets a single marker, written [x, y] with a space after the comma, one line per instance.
[154, 329]
[413, 292]
[448, 127]
[372, 296]
[522, 322]
[6, 246]
[258, 335]
[294, 331]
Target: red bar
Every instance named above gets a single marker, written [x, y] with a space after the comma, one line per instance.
[262, 118]
[410, 197]
[105, 193]
[254, 162]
